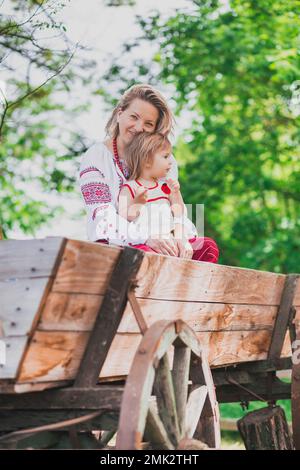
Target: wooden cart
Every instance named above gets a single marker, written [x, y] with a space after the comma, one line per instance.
[78, 318]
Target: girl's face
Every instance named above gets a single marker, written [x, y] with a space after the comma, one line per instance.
[160, 165]
[140, 116]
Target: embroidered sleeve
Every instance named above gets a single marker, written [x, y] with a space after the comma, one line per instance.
[103, 221]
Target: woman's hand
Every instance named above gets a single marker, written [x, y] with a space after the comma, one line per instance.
[173, 185]
[163, 246]
[184, 247]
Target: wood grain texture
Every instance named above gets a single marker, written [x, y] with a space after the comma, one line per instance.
[52, 356]
[85, 267]
[29, 258]
[162, 277]
[20, 303]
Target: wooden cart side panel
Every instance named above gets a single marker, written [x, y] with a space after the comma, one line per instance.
[20, 300]
[57, 355]
[85, 267]
[28, 258]
[206, 282]
[23, 298]
[58, 344]
[77, 312]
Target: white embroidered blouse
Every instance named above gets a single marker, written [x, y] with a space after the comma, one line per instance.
[100, 180]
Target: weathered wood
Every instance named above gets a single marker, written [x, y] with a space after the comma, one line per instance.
[166, 403]
[109, 317]
[70, 312]
[283, 318]
[86, 267]
[53, 355]
[20, 303]
[29, 258]
[265, 429]
[232, 393]
[155, 431]
[30, 418]
[206, 282]
[194, 409]
[202, 316]
[180, 375]
[15, 347]
[96, 398]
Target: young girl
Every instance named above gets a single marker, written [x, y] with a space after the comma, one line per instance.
[154, 204]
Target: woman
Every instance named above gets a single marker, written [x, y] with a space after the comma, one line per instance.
[103, 171]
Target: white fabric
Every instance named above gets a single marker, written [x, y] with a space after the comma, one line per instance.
[100, 181]
[156, 217]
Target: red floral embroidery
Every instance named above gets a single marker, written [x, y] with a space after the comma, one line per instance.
[91, 169]
[165, 188]
[94, 193]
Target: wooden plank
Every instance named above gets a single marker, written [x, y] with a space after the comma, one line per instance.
[56, 355]
[73, 312]
[20, 303]
[206, 282]
[202, 316]
[15, 347]
[29, 258]
[77, 312]
[108, 317]
[52, 356]
[85, 267]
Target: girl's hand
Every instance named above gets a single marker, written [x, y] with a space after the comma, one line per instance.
[141, 196]
[174, 185]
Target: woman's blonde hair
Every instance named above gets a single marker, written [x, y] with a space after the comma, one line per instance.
[142, 149]
[146, 93]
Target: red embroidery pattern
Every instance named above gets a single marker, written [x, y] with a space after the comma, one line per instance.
[94, 193]
[89, 169]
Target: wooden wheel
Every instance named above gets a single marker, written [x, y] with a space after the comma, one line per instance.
[169, 408]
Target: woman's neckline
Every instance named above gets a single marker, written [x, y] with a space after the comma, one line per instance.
[111, 150]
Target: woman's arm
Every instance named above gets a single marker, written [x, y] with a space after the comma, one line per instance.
[103, 221]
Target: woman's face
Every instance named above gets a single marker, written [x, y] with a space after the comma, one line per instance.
[140, 116]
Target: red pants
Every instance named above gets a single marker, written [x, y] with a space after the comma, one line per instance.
[205, 249]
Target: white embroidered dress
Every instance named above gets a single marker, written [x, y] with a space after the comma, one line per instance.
[156, 217]
[100, 180]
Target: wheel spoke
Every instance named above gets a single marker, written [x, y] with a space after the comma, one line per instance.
[194, 408]
[180, 374]
[155, 431]
[164, 391]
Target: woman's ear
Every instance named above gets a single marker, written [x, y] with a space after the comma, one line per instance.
[119, 112]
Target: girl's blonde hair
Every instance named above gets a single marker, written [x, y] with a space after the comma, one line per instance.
[142, 149]
[146, 93]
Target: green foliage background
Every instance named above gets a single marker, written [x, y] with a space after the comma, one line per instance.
[236, 70]
[233, 70]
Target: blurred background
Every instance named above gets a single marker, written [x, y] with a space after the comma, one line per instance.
[230, 70]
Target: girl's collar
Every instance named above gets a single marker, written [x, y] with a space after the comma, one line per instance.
[152, 187]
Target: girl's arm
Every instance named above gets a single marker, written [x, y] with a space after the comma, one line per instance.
[129, 206]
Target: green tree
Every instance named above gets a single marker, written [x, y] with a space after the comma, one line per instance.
[235, 70]
[40, 67]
